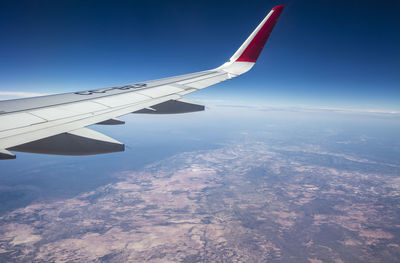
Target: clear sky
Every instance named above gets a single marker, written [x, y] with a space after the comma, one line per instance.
[321, 53]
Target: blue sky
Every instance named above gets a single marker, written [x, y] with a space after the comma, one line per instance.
[321, 53]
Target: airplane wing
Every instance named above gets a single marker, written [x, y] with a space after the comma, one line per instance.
[56, 124]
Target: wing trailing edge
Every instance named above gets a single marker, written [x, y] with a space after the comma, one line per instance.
[173, 107]
[6, 155]
[113, 121]
[77, 143]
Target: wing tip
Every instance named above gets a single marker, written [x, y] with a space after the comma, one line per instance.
[278, 8]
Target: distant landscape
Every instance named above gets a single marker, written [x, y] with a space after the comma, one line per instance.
[289, 189]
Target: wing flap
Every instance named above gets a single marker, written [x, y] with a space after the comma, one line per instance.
[200, 84]
[6, 155]
[18, 120]
[79, 142]
[121, 100]
[160, 91]
[68, 110]
[112, 121]
[172, 107]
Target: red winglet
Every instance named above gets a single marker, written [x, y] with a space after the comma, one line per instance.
[253, 50]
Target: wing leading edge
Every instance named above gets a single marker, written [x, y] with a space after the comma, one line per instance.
[55, 124]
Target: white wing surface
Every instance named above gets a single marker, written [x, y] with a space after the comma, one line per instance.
[56, 124]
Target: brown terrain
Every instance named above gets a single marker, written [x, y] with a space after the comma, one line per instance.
[247, 202]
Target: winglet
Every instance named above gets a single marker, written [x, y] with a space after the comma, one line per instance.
[252, 47]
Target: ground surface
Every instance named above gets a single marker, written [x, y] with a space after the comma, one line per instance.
[276, 193]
